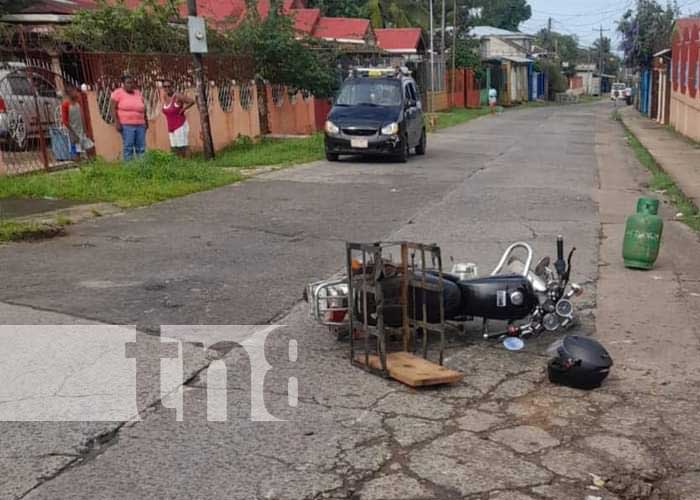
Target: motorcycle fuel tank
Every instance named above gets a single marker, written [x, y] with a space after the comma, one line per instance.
[500, 297]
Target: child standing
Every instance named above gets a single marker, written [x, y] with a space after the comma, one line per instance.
[72, 119]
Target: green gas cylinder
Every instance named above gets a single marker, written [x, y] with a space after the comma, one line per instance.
[643, 235]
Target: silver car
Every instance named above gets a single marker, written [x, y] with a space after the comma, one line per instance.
[21, 115]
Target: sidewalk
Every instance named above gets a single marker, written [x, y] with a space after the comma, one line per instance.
[679, 158]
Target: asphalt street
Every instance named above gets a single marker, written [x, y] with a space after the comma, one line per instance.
[242, 254]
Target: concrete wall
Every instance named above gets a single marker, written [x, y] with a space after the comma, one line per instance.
[518, 84]
[685, 114]
[290, 114]
[226, 125]
[492, 47]
[438, 101]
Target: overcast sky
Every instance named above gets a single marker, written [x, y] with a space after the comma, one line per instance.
[582, 17]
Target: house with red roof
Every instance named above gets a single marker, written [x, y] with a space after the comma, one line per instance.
[400, 40]
[405, 43]
[685, 77]
[344, 30]
[217, 12]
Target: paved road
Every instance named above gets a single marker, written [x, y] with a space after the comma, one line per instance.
[241, 255]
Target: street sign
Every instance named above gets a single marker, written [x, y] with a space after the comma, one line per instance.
[197, 30]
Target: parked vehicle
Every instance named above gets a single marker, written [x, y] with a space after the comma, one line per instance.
[629, 95]
[618, 91]
[377, 112]
[20, 114]
[529, 300]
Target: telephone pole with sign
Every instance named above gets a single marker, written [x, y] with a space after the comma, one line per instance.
[197, 31]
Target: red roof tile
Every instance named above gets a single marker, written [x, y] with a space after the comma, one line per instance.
[305, 19]
[224, 10]
[341, 28]
[687, 22]
[65, 7]
[398, 38]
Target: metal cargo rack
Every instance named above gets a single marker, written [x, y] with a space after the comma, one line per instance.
[371, 345]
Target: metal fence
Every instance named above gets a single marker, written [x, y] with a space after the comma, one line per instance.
[431, 80]
[33, 80]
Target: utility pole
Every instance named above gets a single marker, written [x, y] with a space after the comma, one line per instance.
[600, 49]
[432, 58]
[442, 32]
[200, 82]
[454, 44]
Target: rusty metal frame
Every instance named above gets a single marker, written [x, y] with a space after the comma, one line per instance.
[416, 260]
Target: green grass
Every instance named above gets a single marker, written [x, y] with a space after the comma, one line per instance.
[661, 181]
[16, 231]
[244, 153]
[155, 177]
[458, 115]
[158, 175]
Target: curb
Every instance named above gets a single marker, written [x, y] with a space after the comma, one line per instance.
[627, 124]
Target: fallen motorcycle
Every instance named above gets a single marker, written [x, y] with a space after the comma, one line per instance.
[530, 300]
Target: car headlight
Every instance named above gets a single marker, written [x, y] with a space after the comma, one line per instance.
[391, 129]
[332, 128]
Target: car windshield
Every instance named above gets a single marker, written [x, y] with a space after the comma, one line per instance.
[21, 86]
[370, 93]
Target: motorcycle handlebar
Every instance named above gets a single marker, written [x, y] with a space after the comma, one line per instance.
[560, 248]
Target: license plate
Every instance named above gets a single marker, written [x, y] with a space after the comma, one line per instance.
[359, 143]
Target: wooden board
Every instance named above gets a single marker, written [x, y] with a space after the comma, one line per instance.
[413, 370]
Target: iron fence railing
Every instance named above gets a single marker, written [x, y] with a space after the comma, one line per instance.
[33, 76]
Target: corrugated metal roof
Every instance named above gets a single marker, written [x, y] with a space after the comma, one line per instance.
[516, 59]
[482, 31]
[336, 28]
[57, 6]
[305, 20]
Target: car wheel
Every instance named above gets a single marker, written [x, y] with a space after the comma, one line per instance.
[423, 144]
[331, 156]
[405, 151]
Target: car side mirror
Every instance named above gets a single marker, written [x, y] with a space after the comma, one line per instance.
[411, 103]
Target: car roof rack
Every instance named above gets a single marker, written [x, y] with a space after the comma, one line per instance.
[379, 72]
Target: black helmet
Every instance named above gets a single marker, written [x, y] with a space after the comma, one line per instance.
[579, 362]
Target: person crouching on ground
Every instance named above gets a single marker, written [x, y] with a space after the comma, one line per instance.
[129, 111]
[72, 120]
[493, 99]
[175, 105]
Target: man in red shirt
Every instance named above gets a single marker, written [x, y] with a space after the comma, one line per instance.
[72, 119]
[129, 111]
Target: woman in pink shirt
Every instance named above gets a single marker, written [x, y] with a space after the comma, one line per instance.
[129, 112]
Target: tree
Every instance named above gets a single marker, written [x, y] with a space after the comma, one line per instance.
[340, 8]
[150, 27]
[556, 81]
[281, 58]
[375, 14]
[13, 6]
[646, 30]
[564, 46]
[505, 14]
[602, 52]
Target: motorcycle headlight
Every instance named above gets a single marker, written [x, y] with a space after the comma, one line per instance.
[391, 129]
[332, 128]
